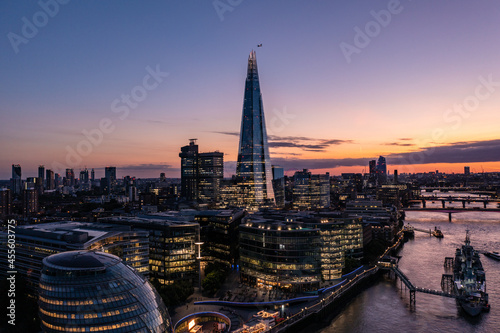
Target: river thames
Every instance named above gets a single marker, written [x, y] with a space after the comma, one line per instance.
[385, 307]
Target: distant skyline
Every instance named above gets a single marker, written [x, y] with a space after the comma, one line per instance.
[342, 83]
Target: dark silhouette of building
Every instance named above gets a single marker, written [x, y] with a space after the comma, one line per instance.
[49, 180]
[254, 164]
[381, 170]
[373, 167]
[57, 180]
[189, 170]
[70, 177]
[219, 234]
[41, 174]
[16, 180]
[201, 173]
[110, 175]
[30, 202]
[279, 185]
[5, 202]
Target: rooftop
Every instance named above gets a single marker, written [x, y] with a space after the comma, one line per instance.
[81, 260]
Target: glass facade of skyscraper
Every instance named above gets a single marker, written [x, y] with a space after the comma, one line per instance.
[253, 166]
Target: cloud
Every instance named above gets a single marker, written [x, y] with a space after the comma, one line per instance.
[278, 144]
[227, 133]
[399, 144]
[286, 154]
[457, 152]
[299, 142]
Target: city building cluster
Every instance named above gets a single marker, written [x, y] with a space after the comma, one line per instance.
[86, 247]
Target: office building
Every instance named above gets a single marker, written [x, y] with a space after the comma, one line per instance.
[16, 183]
[295, 251]
[279, 185]
[41, 174]
[219, 234]
[92, 175]
[382, 221]
[280, 254]
[172, 252]
[254, 165]
[35, 242]
[84, 180]
[201, 173]
[5, 202]
[87, 291]
[49, 180]
[70, 177]
[30, 202]
[210, 175]
[189, 170]
[467, 170]
[311, 191]
[372, 167]
[381, 170]
[110, 175]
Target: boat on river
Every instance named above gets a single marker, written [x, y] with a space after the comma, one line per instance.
[470, 280]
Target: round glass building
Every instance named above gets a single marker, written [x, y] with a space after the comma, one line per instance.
[86, 291]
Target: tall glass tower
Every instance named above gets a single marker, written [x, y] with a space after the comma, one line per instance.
[254, 165]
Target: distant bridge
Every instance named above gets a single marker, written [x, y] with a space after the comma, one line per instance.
[472, 190]
[450, 211]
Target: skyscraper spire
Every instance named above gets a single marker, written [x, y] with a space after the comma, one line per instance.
[254, 165]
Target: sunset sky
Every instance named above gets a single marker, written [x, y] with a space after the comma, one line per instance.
[422, 87]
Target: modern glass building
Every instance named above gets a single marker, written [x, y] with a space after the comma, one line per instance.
[279, 254]
[172, 249]
[296, 251]
[311, 191]
[382, 170]
[254, 165]
[37, 241]
[86, 291]
[201, 173]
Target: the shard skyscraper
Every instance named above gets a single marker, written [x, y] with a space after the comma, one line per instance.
[254, 165]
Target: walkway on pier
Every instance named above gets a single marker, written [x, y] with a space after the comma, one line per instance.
[412, 288]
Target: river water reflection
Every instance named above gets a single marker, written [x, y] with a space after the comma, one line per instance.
[385, 307]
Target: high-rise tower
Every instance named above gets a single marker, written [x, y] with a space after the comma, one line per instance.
[254, 165]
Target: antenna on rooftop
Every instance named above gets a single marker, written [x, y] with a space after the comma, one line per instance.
[192, 141]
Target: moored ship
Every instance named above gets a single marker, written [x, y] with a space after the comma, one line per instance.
[470, 280]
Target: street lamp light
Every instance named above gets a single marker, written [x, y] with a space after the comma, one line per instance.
[199, 244]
